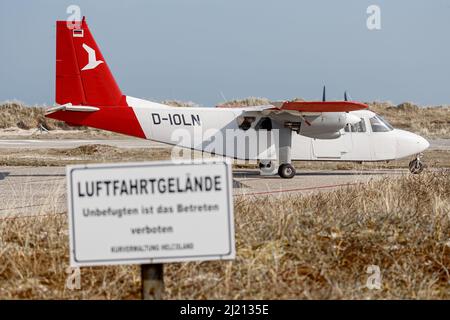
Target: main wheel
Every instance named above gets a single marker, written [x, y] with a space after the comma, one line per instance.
[415, 166]
[286, 171]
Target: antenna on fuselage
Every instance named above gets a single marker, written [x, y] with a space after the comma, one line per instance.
[324, 97]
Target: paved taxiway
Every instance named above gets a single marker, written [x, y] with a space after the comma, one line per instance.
[42, 190]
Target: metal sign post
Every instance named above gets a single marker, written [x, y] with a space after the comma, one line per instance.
[152, 281]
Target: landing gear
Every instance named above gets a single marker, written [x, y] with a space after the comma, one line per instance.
[267, 167]
[416, 166]
[264, 164]
[270, 167]
[286, 171]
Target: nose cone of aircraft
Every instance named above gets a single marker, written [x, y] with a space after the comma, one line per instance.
[410, 144]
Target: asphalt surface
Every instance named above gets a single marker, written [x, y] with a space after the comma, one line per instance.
[42, 190]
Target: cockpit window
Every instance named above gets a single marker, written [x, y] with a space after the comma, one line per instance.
[379, 124]
[357, 127]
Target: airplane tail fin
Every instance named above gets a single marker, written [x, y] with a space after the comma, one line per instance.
[82, 74]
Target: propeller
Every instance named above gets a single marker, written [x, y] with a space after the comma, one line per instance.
[347, 96]
[324, 98]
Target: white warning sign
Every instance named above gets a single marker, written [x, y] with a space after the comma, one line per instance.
[152, 212]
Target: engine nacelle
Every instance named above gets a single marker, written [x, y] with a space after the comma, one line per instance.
[327, 125]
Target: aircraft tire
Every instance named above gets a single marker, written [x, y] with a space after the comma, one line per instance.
[286, 171]
[415, 166]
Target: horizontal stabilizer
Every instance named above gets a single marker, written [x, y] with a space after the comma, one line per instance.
[70, 107]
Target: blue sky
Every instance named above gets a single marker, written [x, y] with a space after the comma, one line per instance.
[198, 49]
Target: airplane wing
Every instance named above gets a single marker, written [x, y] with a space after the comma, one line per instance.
[319, 116]
[321, 106]
[254, 108]
[306, 106]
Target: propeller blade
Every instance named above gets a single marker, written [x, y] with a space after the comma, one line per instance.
[347, 96]
[324, 98]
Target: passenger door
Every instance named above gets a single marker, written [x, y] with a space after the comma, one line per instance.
[327, 148]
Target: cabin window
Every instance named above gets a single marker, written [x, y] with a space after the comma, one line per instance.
[378, 124]
[347, 127]
[264, 124]
[245, 123]
[357, 127]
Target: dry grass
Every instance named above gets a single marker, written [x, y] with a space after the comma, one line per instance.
[178, 103]
[308, 247]
[93, 153]
[246, 102]
[15, 114]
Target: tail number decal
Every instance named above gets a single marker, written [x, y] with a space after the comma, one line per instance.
[177, 119]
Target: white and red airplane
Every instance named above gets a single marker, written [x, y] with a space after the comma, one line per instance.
[273, 134]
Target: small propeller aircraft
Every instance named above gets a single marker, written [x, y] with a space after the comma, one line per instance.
[273, 134]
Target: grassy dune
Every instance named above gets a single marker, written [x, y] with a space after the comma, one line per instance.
[306, 247]
[16, 114]
[426, 121]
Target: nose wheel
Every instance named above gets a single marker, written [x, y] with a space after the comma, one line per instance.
[286, 171]
[416, 166]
